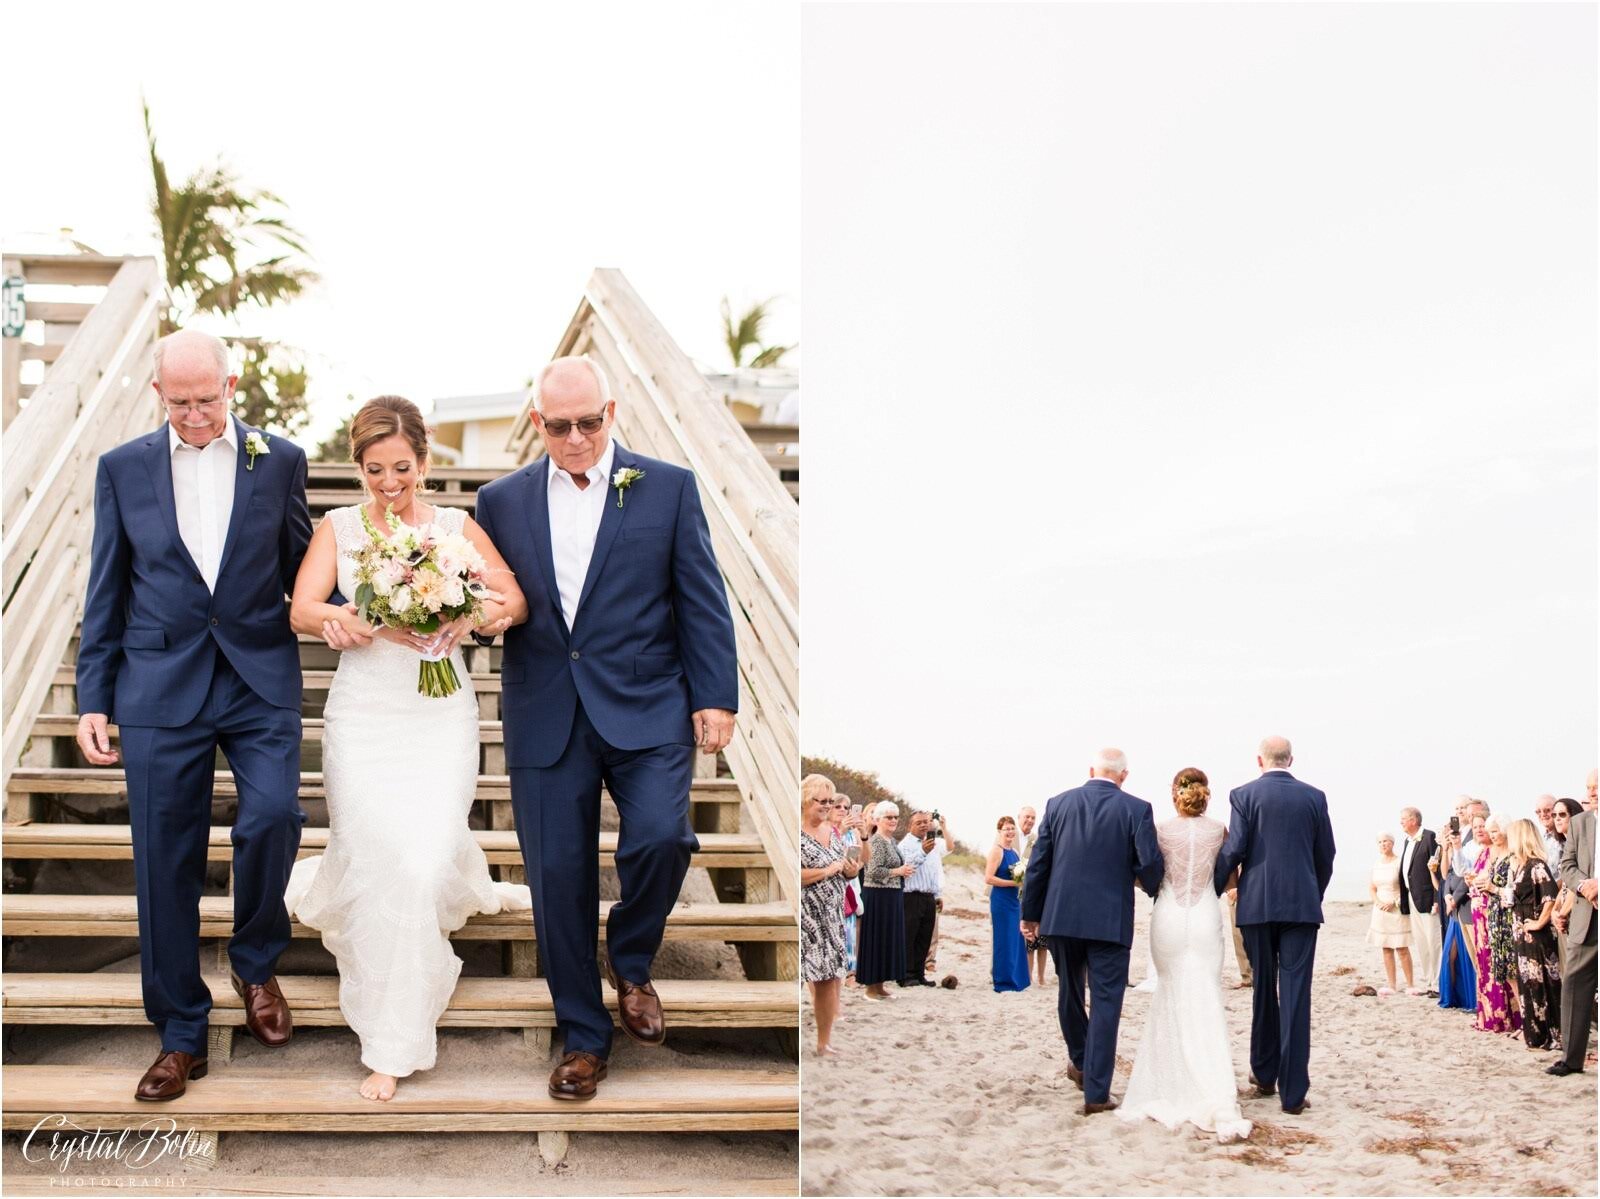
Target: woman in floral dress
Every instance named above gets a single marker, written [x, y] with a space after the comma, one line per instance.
[1531, 897]
[1495, 1011]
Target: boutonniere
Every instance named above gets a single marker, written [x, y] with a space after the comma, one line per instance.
[254, 444]
[624, 479]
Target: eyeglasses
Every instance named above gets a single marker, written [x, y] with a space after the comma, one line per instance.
[195, 405]
[560, 428]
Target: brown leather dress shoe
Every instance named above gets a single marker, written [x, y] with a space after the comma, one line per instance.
[578, 1076]
[1297, 1108]
[266, 1012]
[1090, 1109]
[1263, 1089]
[639, 1007]
[1076, 1075]
[168, 1076]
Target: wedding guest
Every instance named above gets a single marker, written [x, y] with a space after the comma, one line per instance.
[1038, 952]
[1463, 852]
[882, 956]
[1578, 986]
[1390, 929]
[1591, 791]
[1496, 1012]
[823, 871]
[1417, 899]
[1531, 897]
[1566, 809]
[1009, 961]
[844, 808]
[920, 849]
[1544, 808]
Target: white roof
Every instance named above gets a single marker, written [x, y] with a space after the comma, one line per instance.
[455, 409]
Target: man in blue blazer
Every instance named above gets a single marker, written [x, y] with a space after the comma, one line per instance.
[199, 529]
[625, 664]
[1280, 837]
[1094, 843]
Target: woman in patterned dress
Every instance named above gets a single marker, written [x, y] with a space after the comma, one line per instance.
[823, 871]
[1531, 899]
[1495, 1011]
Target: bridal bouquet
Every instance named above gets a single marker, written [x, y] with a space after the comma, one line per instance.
[419, 578]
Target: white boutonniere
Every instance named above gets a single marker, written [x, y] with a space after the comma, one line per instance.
[624, 479]
[254, 444]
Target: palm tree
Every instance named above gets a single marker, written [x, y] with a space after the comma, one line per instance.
[211, 228]
[745, 334]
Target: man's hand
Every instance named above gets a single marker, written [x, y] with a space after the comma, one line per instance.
[339, 636]
[1560, 922]
[1449, 905]
[713, 729]
[1587, 889]
[1030, 929]
[938, 904]
[94, 739]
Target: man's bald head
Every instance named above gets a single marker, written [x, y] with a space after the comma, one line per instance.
[567, 392]
[1274, 753]
[194, 384]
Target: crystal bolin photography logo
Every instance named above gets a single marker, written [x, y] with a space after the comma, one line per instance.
[153, 1142]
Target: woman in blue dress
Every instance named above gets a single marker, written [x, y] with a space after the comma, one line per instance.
[1010, 966]
[1458, 980]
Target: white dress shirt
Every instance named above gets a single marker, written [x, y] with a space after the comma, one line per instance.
[202, 492]
[574, 525]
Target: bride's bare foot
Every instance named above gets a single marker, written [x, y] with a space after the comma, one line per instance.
[379, 1086]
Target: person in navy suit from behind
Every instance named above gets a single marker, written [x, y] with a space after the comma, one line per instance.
[186, 645]
[625, 665]
[1280, 838]
[1094, 843]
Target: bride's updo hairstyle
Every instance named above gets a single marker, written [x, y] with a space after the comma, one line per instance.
[390, 416]
[1191, 791]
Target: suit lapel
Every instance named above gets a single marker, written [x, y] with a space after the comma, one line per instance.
[244, 485]
[539, 524]
[610, 522]
[158, 458]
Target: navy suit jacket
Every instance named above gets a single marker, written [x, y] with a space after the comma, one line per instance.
[1091, 846]
[149, 624]
[653, 637]
[1280, 833]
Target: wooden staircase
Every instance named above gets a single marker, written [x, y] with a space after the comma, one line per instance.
[67, 821]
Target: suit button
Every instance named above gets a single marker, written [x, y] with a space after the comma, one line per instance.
[576, 655]
[214, 620]
[198, 579]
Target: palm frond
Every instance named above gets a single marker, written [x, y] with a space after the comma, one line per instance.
[772, 355]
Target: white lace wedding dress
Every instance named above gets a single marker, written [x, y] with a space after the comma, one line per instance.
[1183, 1070]
[402, 869]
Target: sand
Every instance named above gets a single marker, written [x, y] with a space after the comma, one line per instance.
[965, 1092]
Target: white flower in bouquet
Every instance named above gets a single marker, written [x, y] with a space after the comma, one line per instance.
[400, 599]
[429, 589]
[1017, 871]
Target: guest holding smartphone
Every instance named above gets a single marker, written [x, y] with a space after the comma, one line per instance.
[848, 822]
[824, 869]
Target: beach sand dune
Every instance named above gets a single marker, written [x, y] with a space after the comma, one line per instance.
[966, 1092]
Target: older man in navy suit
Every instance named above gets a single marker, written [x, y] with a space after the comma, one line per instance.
[625, 664]
[1093, 844]
[199, 529]
[1280, 836]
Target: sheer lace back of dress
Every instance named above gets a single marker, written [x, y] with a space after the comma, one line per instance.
[1189, 845]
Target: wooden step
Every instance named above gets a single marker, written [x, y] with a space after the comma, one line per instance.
[105, 780]
[113, 842]
[117, 916]
[476, 1003]
[310, 680]
[490, 732]
[240, 1099]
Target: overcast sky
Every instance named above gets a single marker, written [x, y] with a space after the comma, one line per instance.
[459, 170]
[1182, 374]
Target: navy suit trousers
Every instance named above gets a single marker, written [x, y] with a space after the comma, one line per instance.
[1091, 1036]
[558, 827]
[1281, 956]
[170, 775]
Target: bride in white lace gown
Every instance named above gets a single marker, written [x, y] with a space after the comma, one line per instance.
[1183, 1070]
[402, 869]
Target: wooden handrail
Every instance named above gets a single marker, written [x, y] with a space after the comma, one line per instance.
[95, 396]
[667, 410]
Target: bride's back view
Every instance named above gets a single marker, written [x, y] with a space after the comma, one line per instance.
[1183, 1070]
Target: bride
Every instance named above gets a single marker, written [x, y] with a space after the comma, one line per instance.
[402, 869]
[1183, 1070]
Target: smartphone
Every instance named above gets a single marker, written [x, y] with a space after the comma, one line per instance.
[855, 809]
[1455, 826]
[852, 853]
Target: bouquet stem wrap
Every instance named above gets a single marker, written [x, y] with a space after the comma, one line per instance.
[437, 678]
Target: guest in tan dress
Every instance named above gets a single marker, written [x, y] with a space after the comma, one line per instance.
[1391, 930]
